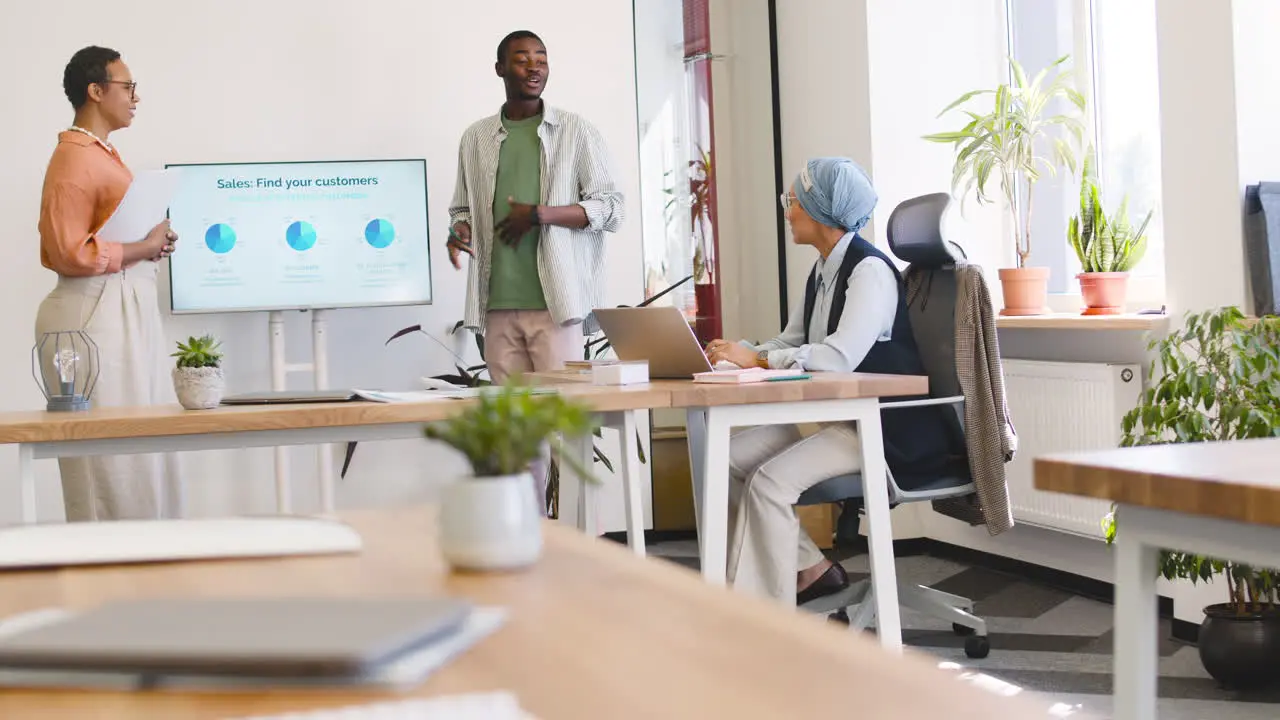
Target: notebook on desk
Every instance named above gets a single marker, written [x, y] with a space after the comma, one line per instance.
[274, 397]
[314, 638]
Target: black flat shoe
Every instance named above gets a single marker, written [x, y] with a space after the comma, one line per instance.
[830, 582]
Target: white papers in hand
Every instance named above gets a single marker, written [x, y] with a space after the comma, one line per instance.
[143, 207]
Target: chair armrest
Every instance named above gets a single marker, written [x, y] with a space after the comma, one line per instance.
[953, 400]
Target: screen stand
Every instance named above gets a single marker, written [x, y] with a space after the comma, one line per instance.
[319, 368]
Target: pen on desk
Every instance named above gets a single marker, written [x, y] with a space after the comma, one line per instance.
[785, 379]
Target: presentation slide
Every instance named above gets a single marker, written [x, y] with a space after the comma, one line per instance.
[285, 236]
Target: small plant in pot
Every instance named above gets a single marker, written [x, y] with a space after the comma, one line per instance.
[197, 378]
[491, 520]
[1220, 380]
[1007, 141]
[1108, 248]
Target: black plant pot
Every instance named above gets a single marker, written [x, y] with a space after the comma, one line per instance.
[1240, 651]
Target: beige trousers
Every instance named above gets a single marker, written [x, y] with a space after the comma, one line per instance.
[521, 341]
[769, 468]
[121, 314]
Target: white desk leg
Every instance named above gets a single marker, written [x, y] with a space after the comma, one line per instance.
[27, 483]
[695, 422]
[577, 499]
[713, 531]
[1136, 645]
[875, 492]
[629, 447]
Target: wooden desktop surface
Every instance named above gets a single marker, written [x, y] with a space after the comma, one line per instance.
[594, 633]
[169, 420]
[1237, 480]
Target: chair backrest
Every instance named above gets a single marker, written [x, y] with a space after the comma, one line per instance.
[915, 235]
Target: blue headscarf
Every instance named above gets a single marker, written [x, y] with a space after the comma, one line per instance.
[836, 192]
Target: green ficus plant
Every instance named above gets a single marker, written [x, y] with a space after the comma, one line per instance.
[1104, 244]
[198, 352]
[503, 431]
[1219, 380]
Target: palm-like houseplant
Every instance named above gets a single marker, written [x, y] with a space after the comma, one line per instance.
[197, 374]
[1219, 380]
[1107, 247]
[1005, 143]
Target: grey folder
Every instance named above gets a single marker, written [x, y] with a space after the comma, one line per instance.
[1262, 245]
[260, 638]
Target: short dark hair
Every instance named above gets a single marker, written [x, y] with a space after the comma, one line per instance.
[506, 42]
[87, 67]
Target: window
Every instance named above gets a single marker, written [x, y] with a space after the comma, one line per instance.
[1113, 48]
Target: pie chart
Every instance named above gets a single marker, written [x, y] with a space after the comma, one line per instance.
[379, 233]
[220, 238]
[301, 236]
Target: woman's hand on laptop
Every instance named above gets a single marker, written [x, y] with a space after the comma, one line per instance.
[724, 351]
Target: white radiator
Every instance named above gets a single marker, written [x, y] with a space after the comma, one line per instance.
[1057, 407]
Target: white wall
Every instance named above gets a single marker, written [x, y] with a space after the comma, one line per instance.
[301, 80]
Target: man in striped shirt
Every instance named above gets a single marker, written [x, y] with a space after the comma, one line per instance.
[533, 201]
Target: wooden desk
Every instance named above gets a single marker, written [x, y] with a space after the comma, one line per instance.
[1218, 499]
[169, 428]
[594, 633]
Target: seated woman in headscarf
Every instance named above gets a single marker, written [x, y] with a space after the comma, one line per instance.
[854, 319]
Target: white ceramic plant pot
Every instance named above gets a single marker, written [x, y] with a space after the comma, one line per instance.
[199, 388]
[490, 523]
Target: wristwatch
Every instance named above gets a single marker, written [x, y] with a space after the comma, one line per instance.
[537, 220]
[762, 358]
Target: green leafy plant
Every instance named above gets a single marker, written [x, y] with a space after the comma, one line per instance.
[199, 352]
[1003, 142]
[1104, 244]
[503, 431]
[1219, 380]
[698, 197]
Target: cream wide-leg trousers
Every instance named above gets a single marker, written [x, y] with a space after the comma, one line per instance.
[769, 467]
[120, 312]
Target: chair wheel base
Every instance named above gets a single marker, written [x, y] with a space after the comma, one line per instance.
[977, 647]
[961, 630]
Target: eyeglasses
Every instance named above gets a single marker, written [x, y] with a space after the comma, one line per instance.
[786, 199]
[132, 87]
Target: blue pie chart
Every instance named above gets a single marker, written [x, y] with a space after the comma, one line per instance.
[220, 238]
[379, 233]
[301, 236]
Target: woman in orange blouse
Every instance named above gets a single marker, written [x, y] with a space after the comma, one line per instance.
[106, 289]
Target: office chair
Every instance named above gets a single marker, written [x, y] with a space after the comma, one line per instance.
[915, 235]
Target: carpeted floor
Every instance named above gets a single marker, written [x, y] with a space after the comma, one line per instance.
[1045, 641]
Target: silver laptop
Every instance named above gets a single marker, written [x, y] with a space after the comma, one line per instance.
[271, 397]
[659, 335]
[249, 638]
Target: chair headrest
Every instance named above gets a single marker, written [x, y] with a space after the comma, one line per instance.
[915, 231]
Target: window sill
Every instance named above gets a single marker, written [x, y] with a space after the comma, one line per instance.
[1076, 321]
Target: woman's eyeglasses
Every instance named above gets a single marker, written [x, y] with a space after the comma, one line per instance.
[786, 199]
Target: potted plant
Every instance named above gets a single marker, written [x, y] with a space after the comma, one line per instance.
[491, 520]
[699, 198]
[1007, 142]
[1220, 380]
[1108, 248]
[197, 378]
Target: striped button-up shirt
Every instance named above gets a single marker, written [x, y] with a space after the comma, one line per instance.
[575, 170]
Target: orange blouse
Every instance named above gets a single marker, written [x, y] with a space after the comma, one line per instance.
[83, 186]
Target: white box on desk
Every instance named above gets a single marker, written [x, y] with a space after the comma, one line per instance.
[621, 373]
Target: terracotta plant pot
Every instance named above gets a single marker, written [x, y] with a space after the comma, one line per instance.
[1025, 290]
[1103, 292]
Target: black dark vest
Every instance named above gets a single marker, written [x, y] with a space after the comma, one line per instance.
[918, 442]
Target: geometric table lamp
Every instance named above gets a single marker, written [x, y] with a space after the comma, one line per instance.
[65, 364]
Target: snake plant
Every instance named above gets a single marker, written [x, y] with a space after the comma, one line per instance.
[1104, 244]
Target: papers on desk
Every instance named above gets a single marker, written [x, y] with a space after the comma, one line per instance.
[416, 396]
[749, 375]
[474, 706]
[145, 204]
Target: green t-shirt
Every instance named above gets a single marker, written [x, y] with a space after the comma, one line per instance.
[513, 280]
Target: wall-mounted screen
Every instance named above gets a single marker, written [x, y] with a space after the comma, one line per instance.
[300, 236]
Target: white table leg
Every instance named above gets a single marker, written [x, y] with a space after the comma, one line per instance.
[875, 492]
[695, 422]
[713, 530]
[629, 447]
[27, 483]
[1136, 644]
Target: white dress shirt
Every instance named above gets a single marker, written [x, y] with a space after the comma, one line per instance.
[575, 171]
[870, 307]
